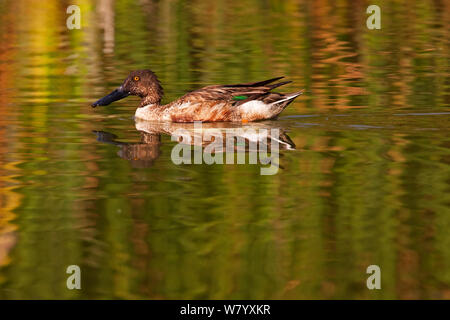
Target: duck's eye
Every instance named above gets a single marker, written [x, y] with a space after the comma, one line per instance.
[136, 78]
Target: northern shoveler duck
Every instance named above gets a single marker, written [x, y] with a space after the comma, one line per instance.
[234, 102]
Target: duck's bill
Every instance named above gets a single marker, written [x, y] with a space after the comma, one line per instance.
[113, 96]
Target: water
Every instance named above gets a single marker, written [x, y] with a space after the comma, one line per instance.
[368, 181]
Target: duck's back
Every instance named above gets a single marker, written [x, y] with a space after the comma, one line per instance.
[239, 102]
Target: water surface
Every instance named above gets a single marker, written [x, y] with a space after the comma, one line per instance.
[368, 181]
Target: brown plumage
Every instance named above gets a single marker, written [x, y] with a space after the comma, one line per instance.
[236, 102]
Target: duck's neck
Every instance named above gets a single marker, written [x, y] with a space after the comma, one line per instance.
[150, 100]
[152, 94]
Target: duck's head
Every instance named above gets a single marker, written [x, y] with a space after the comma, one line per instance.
[141, 83]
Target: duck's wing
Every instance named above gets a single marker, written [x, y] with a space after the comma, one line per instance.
[229, 102]
[235, 94]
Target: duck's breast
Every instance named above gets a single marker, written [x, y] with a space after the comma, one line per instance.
[152, 112]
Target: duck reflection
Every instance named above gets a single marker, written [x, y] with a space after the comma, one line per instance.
[248, 138]
[141, 154]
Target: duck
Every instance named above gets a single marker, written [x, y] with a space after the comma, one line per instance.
[244, 102]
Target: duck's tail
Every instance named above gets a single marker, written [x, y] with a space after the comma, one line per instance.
[279, 105]
[287, 98]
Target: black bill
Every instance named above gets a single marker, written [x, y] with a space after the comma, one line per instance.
[113, 96]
